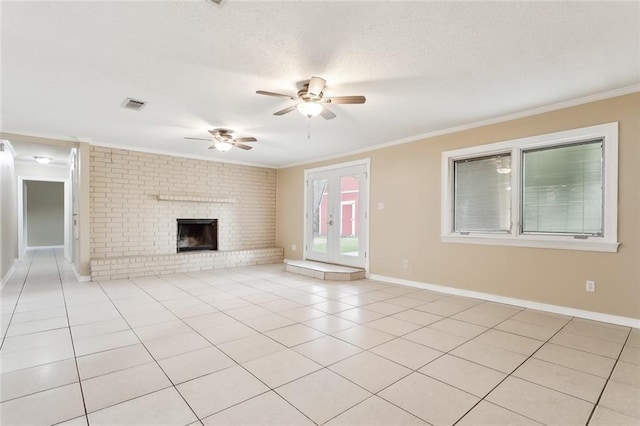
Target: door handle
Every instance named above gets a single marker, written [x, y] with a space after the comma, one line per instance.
[330, 223]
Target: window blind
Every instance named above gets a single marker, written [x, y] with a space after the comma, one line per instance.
[562, 189]
[483, 194]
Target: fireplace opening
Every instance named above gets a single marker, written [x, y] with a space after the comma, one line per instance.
[197, 234]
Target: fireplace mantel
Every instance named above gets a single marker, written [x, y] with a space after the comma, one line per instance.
[194, 198]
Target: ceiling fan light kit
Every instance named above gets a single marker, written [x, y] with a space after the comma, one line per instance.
[309, 108]
[42, 160]
[222, 146]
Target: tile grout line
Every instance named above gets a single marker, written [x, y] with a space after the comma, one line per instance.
[15, 306]
[73, 346]
[606, 383]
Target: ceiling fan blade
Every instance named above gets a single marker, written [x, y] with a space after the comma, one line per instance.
[249, 139]
[245, 147]
[280, 95]
[344, 100]
[199, 139]
[286, 110]
[316, 85]
[327, 114]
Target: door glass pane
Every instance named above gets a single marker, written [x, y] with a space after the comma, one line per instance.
[320, 219]
[349, 215]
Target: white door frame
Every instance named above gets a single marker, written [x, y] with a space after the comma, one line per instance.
[22, 244]
[364, 224]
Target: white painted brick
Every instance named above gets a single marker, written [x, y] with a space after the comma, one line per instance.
[128, 220]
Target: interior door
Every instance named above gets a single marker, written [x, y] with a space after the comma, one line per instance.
[336, 215]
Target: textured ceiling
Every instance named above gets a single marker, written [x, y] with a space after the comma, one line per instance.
[67, 67]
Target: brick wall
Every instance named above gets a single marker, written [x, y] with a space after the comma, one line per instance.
[129, 219]
[115, 268]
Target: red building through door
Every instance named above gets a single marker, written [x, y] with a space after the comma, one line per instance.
[349, 199]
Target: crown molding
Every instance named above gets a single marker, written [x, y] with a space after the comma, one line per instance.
[473, 125]
[176, 154]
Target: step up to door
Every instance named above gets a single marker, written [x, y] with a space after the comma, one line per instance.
[325, 271]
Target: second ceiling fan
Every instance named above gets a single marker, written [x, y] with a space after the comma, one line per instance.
[224, 140]
[311, 101]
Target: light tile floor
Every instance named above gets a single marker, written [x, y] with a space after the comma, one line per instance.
[260, 346]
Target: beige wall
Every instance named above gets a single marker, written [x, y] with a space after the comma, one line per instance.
[407, 179]
[128, 219]
[8, 212]
[44, 215]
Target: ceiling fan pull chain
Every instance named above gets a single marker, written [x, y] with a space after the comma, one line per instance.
[309, 130]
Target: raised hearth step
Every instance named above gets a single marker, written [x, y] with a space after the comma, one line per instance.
[325, 271]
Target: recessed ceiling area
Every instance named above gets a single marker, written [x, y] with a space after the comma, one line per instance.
[423, 67]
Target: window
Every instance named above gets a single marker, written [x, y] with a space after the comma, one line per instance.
[482, 199]
[556, 191]
[562, 189]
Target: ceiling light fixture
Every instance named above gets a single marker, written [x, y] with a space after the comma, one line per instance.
[222, 146]
[309, 108]
[42, 160]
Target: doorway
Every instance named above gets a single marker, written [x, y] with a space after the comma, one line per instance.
[43, 213]
[336, 216]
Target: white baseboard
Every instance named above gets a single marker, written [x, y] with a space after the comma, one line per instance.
[10, 272]
[44, 248]
[80, 278]
[556, 309]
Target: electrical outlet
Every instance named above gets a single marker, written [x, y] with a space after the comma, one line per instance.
[381, 205]
[294, 247]
[405, 263]
[591, 286]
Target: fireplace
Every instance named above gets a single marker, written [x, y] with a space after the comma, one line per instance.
[197, 234]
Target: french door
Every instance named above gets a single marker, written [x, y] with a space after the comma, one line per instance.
[336, 216]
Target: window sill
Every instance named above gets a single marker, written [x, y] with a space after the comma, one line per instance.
[557, 243]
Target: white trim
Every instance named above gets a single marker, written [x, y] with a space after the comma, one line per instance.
[177, 154]
[475, 124]
[607, 243]
[44, 248]
[12, 150]
[556, 309]
[534, 241]
[363, 161]
[10, 272]
[22, 246]
[80, 278]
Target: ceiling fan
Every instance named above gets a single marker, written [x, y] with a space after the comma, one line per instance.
[223, 140]
[311, 101]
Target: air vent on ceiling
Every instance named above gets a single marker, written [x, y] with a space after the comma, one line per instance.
[133, 104]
